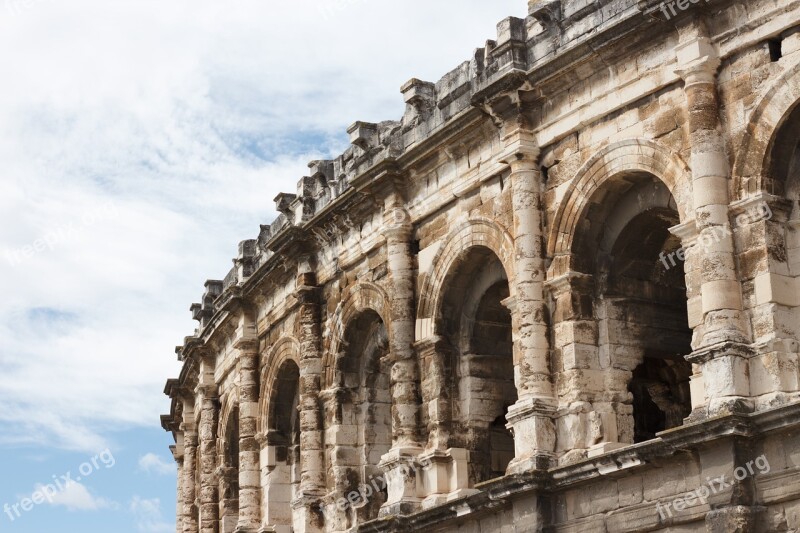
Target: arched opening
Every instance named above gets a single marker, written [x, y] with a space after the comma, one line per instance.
[282, 471]
[368, 407]
[784, 161]
[229, 480]
[476, 323]
[774, 230]
[639, 306]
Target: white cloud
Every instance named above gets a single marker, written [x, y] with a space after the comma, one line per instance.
[75, 497]
[148, 515]
[154, 464]
[190, 116]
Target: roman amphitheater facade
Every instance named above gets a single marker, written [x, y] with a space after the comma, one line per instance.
[561, 294]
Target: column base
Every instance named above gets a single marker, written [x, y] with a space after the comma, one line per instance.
[307, 516]
[403, 475]
[444, 473]
[531, 422]
[540, 461]
[275, 529]
[604, 448]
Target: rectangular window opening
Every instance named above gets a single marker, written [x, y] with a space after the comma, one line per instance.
[775, 49]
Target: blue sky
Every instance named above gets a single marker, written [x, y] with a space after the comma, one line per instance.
[139, 143]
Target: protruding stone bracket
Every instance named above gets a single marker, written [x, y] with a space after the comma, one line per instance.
[771, 207]
[548, 12]
[420, 98]
[363, 134]
[686, 232]
[283, 204]
[512, 107]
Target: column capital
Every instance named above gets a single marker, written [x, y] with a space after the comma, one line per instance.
[208, 391]
[246, 345]
[521, 150]
[397, 224]
[698, 60]
[568, 281]
[686, 232]
[429, 345]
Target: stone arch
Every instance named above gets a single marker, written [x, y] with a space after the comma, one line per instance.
[278, 422]
[632, 155]
[477, 232]
[286, 349]
[357, 299]
[612, 283]
[228, 451]
[230, 406]
[359, 410]
[754, 152]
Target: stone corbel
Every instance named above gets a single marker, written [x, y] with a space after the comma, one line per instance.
[514, 109]
[420, 99]
[547, 12]
[772, 207]
[686, 232]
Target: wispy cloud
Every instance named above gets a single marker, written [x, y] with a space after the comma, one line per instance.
[76, 497]
[149, 518]
[154, 464]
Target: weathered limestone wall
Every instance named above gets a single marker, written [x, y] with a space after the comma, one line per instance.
[559, 294]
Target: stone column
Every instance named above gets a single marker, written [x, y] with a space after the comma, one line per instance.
[765, 248]
[444, 470]
[344, 453]
[209, 486]
[720, 342]
[187, 512]
[402, 494]
[436, 391]
[249, 470]
[531, 417]
[595, 415]
[307, 514]
[179, 498]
